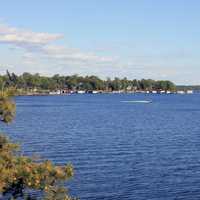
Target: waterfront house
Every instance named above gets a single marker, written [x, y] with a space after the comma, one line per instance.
[81, 92]
[168, 92]
[57, 92]
[189, 92]
[154, 92]
[180, 92]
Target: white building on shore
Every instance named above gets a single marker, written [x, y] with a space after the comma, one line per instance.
[189, 92]
[180, 92]
[81, 92]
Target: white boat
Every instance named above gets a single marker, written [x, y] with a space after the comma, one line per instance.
[142, 101]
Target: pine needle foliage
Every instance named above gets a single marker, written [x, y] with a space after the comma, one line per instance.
[20, 175]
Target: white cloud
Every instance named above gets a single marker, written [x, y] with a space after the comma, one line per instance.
[70, 54]
[38, 46]
[20, 37]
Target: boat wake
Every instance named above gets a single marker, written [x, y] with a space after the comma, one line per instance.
[143, 101]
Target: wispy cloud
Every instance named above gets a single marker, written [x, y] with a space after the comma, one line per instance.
[40, 45]
[25, 38]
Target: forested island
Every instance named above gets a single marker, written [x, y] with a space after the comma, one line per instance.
[27, 82]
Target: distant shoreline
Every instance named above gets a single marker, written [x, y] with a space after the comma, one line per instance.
[28, 84]
[59, 93]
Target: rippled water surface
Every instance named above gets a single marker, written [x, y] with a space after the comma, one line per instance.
[121, 150]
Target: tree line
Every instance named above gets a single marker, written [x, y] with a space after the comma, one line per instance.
[188, 87]
[75, 82]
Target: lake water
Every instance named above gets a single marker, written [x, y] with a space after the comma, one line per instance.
[121, 150]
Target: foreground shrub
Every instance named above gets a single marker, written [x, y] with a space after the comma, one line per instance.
[20, 176]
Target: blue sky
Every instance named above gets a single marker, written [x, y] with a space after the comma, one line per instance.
[134, 38]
